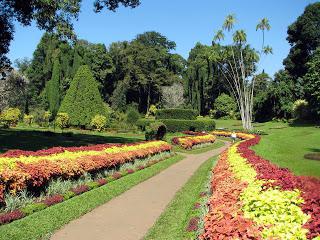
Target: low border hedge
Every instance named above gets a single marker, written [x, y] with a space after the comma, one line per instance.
[176, 113]
[178, 125]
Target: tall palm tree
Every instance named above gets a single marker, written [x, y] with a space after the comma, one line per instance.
[218, 36]
[240, 37]
[267, 50]
[263, 25]
[229, 22]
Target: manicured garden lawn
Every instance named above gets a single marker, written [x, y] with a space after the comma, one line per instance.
[41, 224]
[35, 139]
[286, 145]
[174, 220]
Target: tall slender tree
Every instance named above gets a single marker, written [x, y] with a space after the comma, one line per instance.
[263, 25]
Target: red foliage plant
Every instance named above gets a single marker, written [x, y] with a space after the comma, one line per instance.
[225, 220]
[193, 224]
[11, 216]
[285, 179]
[80, 189]
[116, 175]
[53, 200]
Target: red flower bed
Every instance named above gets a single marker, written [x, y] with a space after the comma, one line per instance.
[192, 133]
[225, 219]
[309, 186]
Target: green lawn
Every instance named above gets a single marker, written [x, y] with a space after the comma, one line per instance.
[41, 224]
[172, 223]
[286, 145]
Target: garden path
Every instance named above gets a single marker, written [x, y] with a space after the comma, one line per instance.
[133, 213]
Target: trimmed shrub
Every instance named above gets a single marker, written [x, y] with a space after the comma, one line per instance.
[155, 131]
[83, 100]
[10, 117]
[177, 125]
[132, 116]
[62, 120]
[99, 122]
[176, 113]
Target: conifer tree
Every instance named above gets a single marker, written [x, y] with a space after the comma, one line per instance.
[83, 100]
[53, 88]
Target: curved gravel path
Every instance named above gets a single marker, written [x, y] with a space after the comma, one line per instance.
[130, 215]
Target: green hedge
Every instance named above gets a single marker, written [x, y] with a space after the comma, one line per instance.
[176, 113]
[178, 125]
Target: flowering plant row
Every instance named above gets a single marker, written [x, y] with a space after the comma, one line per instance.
[28, 171]
[188, 142]
[58, 198]
[254, 199]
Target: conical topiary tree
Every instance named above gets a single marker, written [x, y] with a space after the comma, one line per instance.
[83, 100]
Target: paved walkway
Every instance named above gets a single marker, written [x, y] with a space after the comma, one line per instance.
[130, 215]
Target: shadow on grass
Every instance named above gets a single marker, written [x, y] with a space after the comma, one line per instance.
[34, 140]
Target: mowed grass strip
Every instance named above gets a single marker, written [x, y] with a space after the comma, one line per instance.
[173, 222]
[41, 224]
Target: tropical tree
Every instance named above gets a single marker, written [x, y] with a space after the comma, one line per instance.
[240, 37]
[237, 72]
[218, 36]
[263, 25]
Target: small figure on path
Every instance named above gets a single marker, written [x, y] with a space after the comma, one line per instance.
[233, 136]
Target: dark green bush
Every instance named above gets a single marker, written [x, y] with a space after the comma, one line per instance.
[142, 123]
[177, 125]
[176, 113]
[156, 131]
[132, 116]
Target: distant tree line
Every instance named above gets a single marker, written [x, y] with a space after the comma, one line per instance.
[144, 73]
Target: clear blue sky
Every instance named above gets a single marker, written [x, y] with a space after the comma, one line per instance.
[184, 21]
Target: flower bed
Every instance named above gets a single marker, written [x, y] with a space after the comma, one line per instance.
[34, 170]
[188, 142]
[39, 204]
[254, 199]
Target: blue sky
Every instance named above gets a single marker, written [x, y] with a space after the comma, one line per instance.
[184, 21]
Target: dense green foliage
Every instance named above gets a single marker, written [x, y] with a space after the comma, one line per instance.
[304, 38]
[178, 125]
[53, 89]
[83, 101]
[132, 116]
[156, 131]
[205, 76]
[224, 106]
[176, 113]
[312, 81]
